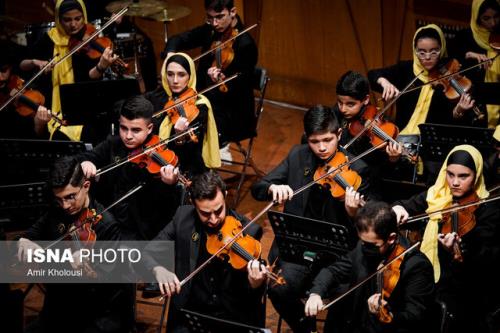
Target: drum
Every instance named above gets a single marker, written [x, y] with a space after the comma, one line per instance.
[124, 45]
[35, 31]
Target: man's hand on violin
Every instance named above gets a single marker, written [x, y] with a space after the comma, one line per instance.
[168, 281]
[39, 64]
[23, 245]
[256, 273]
[216, 74]
[280, 193]
[394, 151]
[479, 58]
[43, 115]
[89, 169]
[353, 201]
[169, 174]
[401, 214]
[314, 305]
[447, 241]
[181, 125]
[465, 103]
[389, 90]
[374, 303]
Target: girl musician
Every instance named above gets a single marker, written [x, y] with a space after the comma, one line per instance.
[425, 105]
[471, 46]
[71, 25]
[462, 261]
[200, 150]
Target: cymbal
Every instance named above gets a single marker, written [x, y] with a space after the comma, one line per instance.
[170, 13]
[140, 8]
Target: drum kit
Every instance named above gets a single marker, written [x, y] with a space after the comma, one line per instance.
[130, 46]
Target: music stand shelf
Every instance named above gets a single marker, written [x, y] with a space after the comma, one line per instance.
[198, 322]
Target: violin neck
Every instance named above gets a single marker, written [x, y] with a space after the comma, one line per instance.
[28, 102]
[237, 248]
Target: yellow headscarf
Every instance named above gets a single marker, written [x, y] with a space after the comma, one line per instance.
[439, 197]
[482, 36]
[62, 73]
[424, 99]
[210, 150]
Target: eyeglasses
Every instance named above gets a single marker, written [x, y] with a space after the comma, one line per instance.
[423, 54]
[71, 198]
[213, 19]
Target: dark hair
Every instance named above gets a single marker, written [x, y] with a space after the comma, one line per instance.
[427, 33]
[66, 171]
[182, 61]
[487, 4]
[319, 119]
[354, 85]
[205, 186]
[137, 107]
[462, 157]
[377, 216]
[68, 5]
[219, 5]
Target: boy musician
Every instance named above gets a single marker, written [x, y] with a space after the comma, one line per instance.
[411, 298]
[323, 133]
[353, 101]
[107, 308]
[141, 216]
[233, 110]
[218, 290]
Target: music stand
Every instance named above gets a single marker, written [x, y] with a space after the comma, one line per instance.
[438, 139]
[92, 104]
[30, 160]
[20, 204]
[198, 322]
[304, 241]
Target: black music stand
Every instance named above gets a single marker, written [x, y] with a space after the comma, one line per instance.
[198, 322]
[92, 104]
[21, 204]
[437, 140]
[306, 241]
[29, 161]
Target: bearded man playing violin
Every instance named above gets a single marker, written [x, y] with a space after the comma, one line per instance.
[70, 191]
[323, 133]
[219, 289]
[406, 299]
[462, 245]
[139, 216]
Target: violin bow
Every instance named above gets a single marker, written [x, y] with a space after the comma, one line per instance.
[265, 209]
[93, 35]
[362, 282]
[451, 209]
[27, 84]
[225, 42]
[146, 151]
[66, 234]
[381, 112]
[181, 101]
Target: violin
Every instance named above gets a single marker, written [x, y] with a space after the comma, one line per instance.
[157, 158]
[453, 86]
[83, 235]
[95, 48]
[224, 55]
[378, 130]
[240, 250]
[460, 222]
[339, 181]
[187, 109]
[387, 279]
[28, 102]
